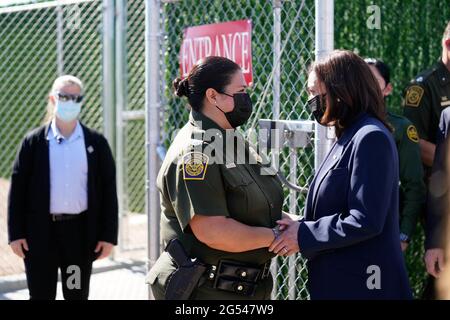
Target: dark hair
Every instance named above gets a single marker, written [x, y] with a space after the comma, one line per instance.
[351, 89]
[210, 72]
[382, 68]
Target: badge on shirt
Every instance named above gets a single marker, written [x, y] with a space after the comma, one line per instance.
[412, 134]
[195, 165]
[413, 96]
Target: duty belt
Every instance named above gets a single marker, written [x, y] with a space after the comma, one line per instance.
[237, 277]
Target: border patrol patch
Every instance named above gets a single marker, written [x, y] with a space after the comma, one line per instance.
[412, 133]
[195, 165]
[413, 96]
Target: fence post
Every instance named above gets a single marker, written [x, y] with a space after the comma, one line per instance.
[108, 72]
[121, 75]
[152, 105]
[324, 45]
[60, 39]
[276, 58]
[276, 81]
[293, 205]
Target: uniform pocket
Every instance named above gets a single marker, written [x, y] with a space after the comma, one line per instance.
[238, 186]
[237, 177]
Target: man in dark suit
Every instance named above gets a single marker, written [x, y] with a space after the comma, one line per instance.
[62, 205]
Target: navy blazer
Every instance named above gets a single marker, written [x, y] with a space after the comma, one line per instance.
[351, 227]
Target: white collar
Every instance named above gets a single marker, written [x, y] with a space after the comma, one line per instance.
[54, 132]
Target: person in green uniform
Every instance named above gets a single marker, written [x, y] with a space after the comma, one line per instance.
[215, 198]
[424, 99]
[412, 186]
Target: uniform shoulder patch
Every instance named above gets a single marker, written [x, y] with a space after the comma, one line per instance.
[195, 165]
[412, 133]
[414, 96]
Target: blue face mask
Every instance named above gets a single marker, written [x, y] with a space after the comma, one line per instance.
[67, 110]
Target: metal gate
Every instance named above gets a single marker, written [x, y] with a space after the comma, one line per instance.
[129, 97]
[283, 42]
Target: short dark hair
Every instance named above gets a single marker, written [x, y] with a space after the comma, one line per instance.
[210, 72]
[351, 90]
[382, 68]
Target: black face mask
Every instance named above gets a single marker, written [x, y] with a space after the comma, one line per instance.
[242, 111]
[317, 106]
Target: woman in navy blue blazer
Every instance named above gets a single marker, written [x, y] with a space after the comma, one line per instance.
[350, 229]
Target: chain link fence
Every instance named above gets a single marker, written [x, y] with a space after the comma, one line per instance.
[296, 44]
[130, 71]
[39, 42]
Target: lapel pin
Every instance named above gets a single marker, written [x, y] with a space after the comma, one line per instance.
[90, 149]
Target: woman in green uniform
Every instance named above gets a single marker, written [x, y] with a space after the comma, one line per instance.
[215, 197]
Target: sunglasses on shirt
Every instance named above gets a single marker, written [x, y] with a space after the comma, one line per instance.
[66, 97]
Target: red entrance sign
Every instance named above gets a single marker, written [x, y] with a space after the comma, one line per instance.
[229, 39]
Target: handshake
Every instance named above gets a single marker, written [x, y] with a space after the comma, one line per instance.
[286, 236]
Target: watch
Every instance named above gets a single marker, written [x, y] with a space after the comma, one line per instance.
[404, 237]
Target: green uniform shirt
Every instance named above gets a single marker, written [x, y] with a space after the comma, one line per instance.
[192, 182]
[424, 99]
[412, 186]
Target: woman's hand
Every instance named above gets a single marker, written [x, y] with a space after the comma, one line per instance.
[287, 220]
[404, 245]
[286, 243]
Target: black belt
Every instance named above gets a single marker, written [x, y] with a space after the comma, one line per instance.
[237, 277]
[66, 217]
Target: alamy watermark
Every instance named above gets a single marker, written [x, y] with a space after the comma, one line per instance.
[374, 280]
[374, 19]
[73, 281]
